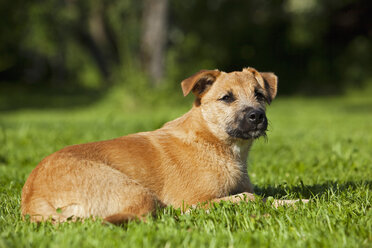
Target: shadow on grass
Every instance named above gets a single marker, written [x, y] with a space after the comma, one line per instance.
[309, 191]
[17, 97]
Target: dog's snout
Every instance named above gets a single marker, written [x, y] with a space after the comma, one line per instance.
[252, 123]
[255, 116]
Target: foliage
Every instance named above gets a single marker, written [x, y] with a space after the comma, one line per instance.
[314, 46]
[317, 148]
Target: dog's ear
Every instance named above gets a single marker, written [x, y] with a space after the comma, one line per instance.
[267, 80]
[270, 81]
[199, 82]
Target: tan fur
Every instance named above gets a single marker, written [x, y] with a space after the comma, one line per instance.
[187, 161]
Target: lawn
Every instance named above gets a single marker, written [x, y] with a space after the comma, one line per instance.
[318, 148]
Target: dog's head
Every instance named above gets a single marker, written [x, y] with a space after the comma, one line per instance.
[233, 104]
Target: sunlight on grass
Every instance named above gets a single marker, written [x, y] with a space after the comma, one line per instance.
[318, 148]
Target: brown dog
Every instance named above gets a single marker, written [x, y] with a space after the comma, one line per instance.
[198, 157]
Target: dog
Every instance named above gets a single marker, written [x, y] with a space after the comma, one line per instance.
[199, 157]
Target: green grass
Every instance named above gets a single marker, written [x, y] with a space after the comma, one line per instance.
[317, 148]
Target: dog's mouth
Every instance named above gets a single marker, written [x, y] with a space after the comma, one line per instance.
[257, 133]
[249, 134]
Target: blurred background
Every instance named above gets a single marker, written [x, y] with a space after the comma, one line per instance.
[80, 49]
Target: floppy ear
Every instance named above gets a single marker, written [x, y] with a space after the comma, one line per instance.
[270, 83]
[199, 82]
[267, 80]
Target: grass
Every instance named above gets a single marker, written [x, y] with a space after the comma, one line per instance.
[318, 148]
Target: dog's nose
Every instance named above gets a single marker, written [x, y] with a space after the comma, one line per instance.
[256, 116]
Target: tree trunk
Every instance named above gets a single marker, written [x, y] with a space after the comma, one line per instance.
[154, 36]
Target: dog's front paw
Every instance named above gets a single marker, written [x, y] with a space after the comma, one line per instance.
[278, 203]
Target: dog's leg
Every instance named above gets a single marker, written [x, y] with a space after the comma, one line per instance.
[236, 198]
[93, 190]
[277, 203]
[250, 197]
[136, 206]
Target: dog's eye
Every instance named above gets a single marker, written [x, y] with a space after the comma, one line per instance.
[259, 96]
[227, 98]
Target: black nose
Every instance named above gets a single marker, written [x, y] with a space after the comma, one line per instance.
[256, 116]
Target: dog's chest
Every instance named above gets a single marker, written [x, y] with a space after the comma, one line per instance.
[226, 173]
[232, 174]
[233, 170]
[202, 171]
[209, 182]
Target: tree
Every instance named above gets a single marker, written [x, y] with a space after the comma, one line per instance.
[153, 38]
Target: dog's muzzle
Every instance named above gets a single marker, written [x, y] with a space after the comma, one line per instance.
[250, 124]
